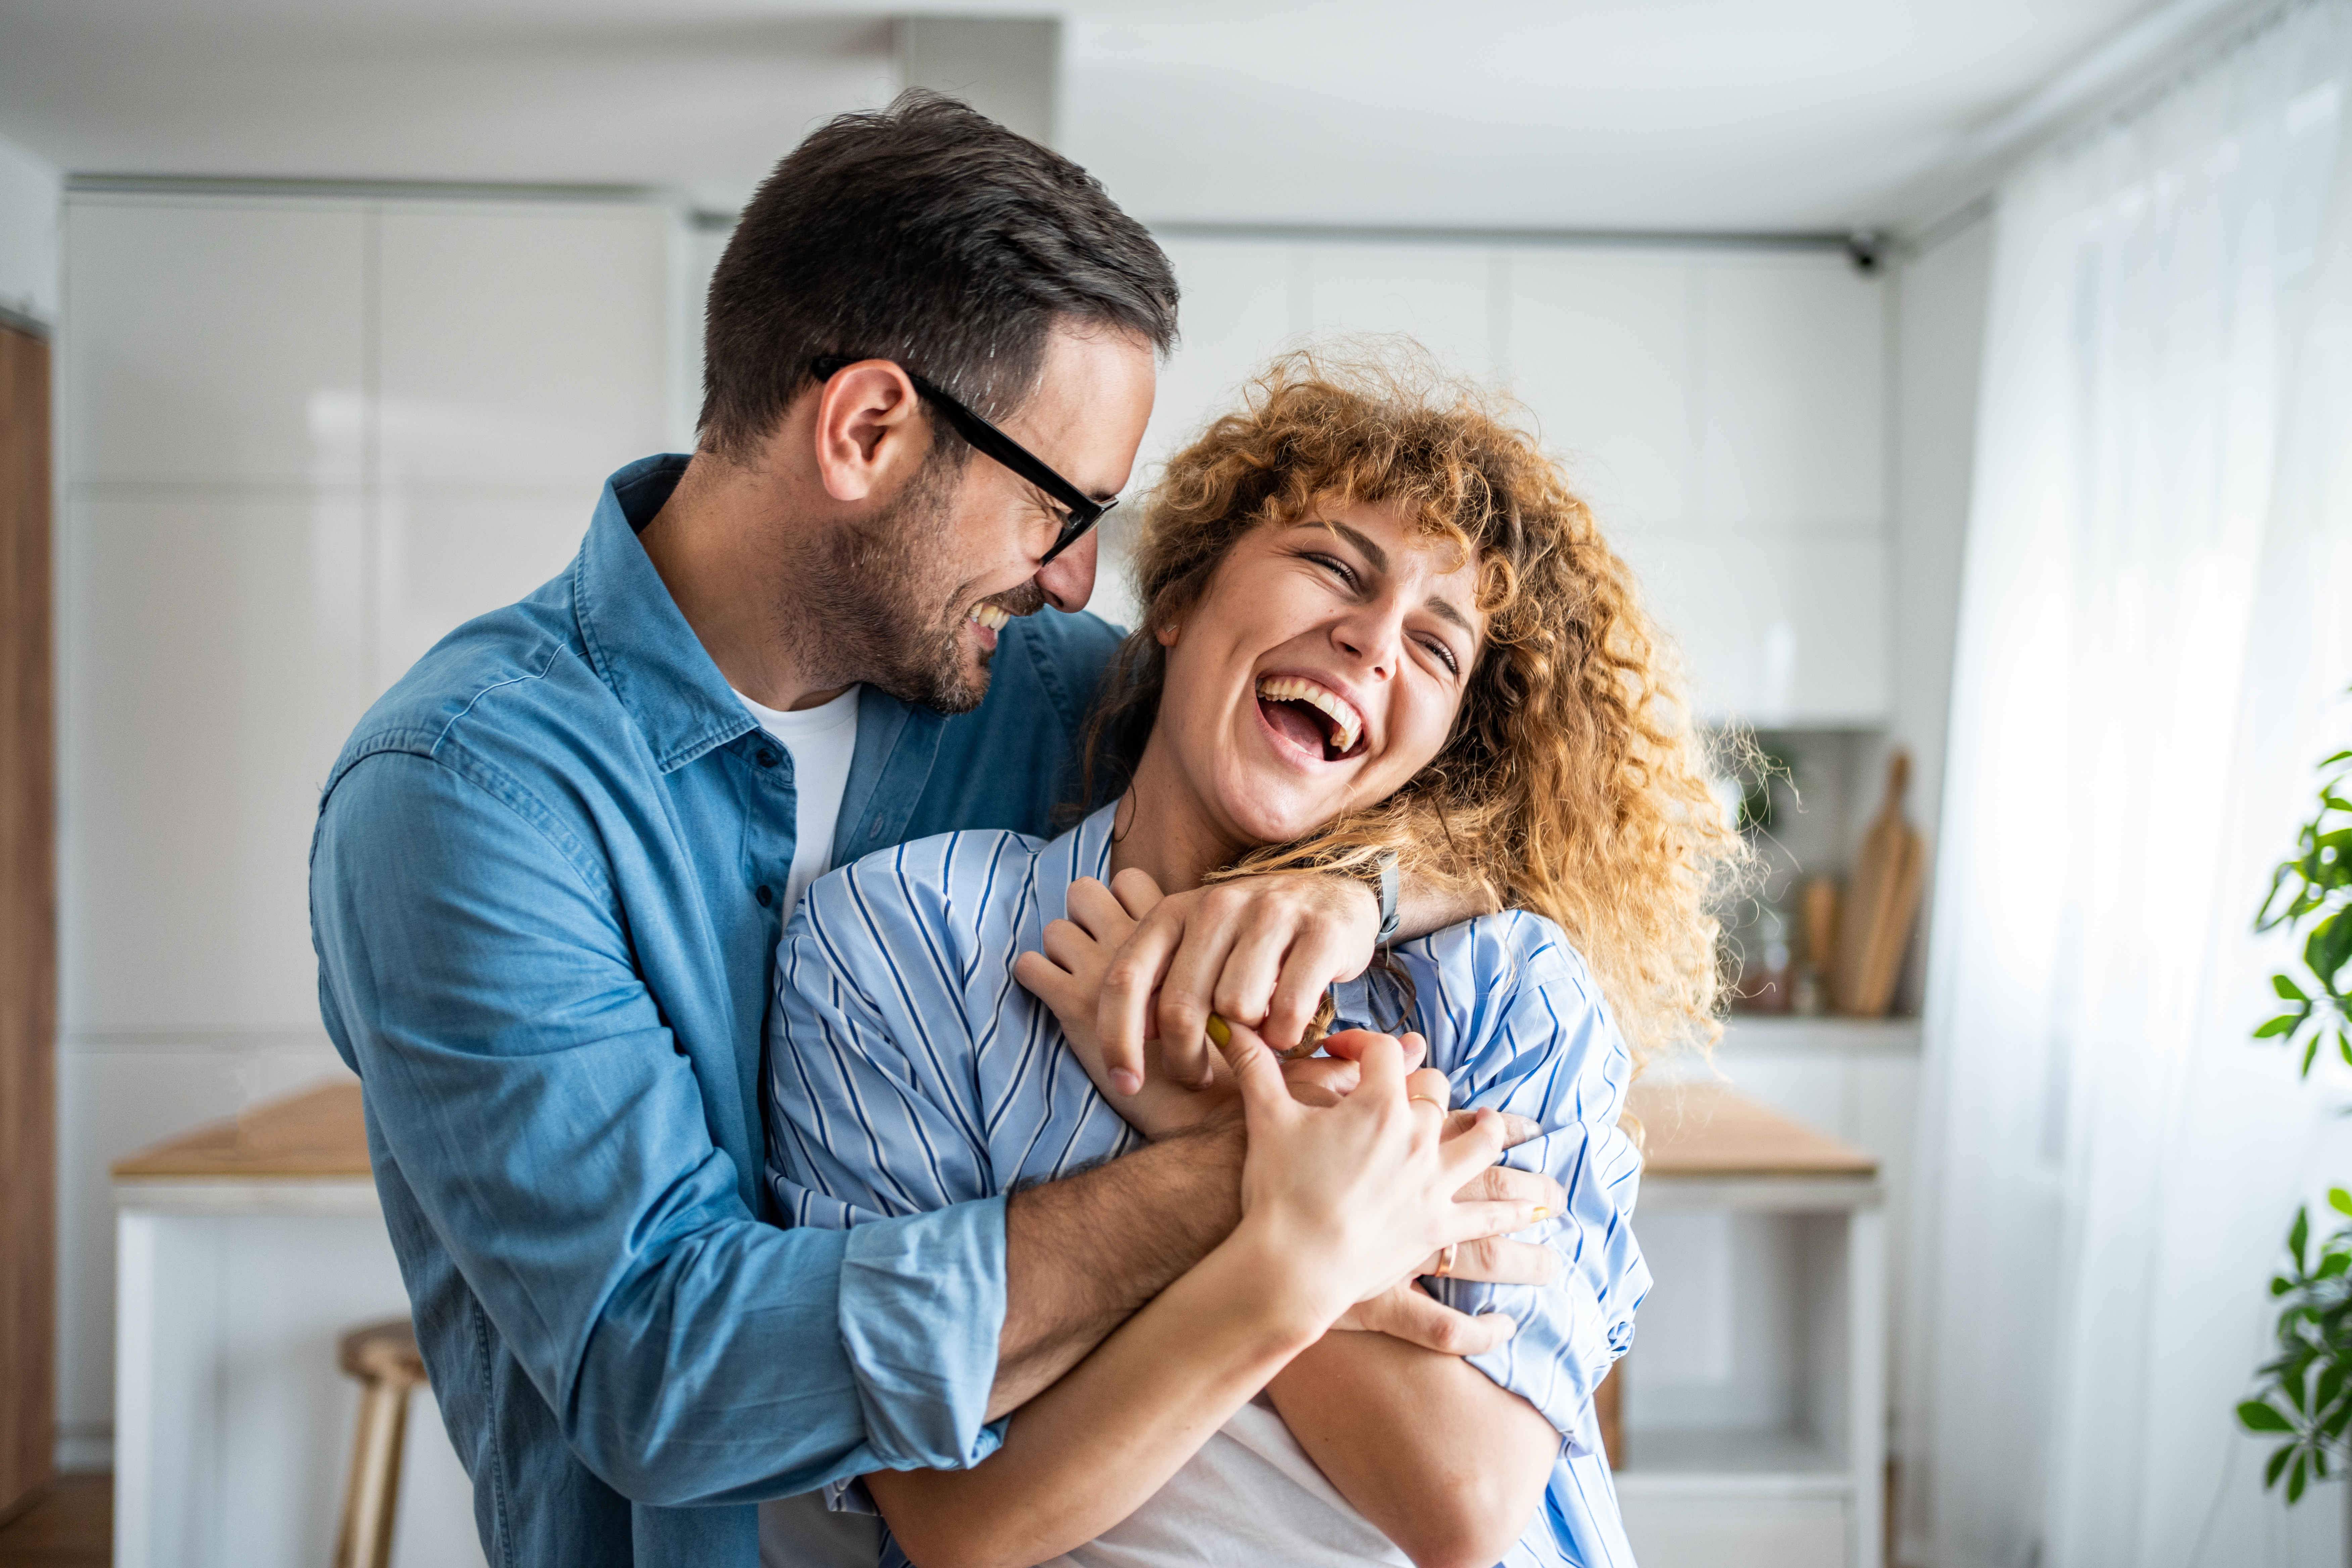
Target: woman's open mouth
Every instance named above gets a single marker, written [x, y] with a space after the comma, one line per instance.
[1311, 717]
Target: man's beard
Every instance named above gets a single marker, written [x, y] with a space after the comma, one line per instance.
[870, 612]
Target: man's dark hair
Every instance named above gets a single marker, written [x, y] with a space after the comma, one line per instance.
[926, 234]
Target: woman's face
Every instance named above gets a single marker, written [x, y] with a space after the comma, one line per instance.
[1320, 671]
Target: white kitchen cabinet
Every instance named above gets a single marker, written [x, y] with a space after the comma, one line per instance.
[1242, 303]
[214, 660]
[1443, 295]
[1601, 348]
[214, 341]
[1755, 1397]
[1791, 398]
[1723, 410]
[1783, 634]
[441, 560]
[525, 345]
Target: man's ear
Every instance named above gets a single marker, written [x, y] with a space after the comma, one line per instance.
[870, 432]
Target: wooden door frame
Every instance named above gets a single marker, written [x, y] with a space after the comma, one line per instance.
[28, 927]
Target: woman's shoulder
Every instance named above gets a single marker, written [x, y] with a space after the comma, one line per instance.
[1504, 983]
[951, 884]
[1515, 948]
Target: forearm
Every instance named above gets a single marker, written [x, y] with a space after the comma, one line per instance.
[1448, 1464]
[1092, 1448]
[1083, 1254]
[1424, 905]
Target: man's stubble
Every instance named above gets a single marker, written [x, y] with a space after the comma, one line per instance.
[872, 612]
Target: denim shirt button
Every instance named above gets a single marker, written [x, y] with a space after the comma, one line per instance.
[764, 757]
[766, 895]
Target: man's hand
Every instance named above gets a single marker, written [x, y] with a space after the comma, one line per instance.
[1259, 952]
[1069, 976]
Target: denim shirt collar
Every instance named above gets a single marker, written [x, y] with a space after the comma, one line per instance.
[633, 633]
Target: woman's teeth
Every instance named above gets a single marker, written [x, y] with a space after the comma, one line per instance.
[1347, 723]
[991, 617]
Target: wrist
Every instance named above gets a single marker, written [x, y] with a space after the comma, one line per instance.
[1379, 878]
[1273, 1285]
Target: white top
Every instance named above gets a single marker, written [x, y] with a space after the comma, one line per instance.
[822, 741]
[1250, 1497]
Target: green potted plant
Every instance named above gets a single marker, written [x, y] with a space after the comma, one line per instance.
[2305, 1392]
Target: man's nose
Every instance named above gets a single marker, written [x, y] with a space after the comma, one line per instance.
[1069, 580]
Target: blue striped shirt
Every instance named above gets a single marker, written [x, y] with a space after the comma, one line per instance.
[907, 1071]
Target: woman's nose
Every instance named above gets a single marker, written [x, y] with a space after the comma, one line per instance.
[1372, 640]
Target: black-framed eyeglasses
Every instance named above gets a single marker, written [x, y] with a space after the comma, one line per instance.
[1083, 510]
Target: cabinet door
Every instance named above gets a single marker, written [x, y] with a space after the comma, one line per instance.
[214, 342]
[1600, 347]
[1671, 1531]
[1440, 295]
[1792, 397]
[524, 344]
[1787, 633]
[214, 662]
[1241, 305]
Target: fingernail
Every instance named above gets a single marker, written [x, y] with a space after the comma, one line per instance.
[1124, 1081]
[1220, 1031]
[1542, 1211]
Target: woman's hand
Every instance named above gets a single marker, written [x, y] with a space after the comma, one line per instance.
[1347, 1201]
[1067, 976]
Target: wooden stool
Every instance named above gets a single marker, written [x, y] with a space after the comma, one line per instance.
[383, 1357]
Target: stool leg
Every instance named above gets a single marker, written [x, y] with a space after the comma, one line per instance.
[371, 1497]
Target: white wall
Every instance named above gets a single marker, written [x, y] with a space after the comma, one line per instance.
[1939, 311]
[301, 439]
[31, 191]
[1724, 410]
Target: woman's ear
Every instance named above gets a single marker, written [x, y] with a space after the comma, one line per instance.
[1165, 633]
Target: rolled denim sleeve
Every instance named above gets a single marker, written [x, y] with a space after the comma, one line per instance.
[1531, 1036]
[527, 1098]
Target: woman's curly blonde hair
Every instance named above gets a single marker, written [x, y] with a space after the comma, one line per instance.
[1573, 784]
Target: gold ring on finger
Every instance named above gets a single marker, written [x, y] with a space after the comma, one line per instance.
[1429, 1100]
[1446, 1260]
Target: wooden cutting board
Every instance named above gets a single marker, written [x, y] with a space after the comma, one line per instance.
[1884, 901]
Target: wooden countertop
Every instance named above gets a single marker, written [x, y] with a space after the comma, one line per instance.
[1690, 1130]
[317, 1135]
[1703, 1130]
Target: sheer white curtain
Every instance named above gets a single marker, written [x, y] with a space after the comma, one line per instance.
[2156, 628]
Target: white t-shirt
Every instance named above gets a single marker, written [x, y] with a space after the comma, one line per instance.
[797, 1533]
[822, 742]
[1250, 1499]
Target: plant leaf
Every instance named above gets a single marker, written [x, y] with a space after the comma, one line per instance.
[2287, 988]
[2284, 1024]
[2259, 1415]
[2297, 1474]
[2277, 1463]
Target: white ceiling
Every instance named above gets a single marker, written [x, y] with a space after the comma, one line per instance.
[1647, 114]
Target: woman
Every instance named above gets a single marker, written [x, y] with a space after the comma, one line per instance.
[1377, 619]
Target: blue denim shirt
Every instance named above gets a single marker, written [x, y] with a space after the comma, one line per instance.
[544, 895]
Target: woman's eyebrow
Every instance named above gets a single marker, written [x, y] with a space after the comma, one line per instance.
[1372, 553]
[1441, 607]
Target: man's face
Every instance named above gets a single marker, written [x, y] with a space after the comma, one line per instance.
[918, 591]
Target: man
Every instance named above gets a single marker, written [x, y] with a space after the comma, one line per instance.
[552, 863]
